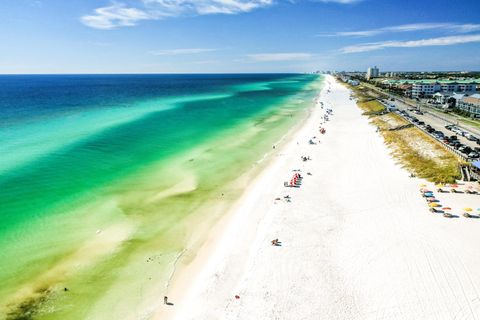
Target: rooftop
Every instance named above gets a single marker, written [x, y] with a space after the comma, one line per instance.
[473, 99]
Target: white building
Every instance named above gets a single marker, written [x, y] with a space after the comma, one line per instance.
[428, 89]
[471, 105]
[372, 73]
[425, 89]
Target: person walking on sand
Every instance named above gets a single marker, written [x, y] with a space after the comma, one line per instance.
[165, 300]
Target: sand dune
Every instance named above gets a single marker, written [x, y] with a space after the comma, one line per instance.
[357, 239]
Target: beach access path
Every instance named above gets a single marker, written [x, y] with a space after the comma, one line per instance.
[357, 239]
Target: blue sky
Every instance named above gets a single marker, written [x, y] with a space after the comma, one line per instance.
[155, 36]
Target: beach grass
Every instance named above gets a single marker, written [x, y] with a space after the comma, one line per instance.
[414, 149]
[371, 106]
[418, 152]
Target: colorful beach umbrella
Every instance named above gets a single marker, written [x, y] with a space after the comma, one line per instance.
[434, 204]
[468, 209]
[447, 208]
[423, 185]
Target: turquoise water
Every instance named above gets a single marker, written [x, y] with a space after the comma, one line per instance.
[102, 176]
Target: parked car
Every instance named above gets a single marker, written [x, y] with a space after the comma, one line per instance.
[449, 127]
[465, 149]
[453, 138]
[421, 123]
[457, 131]
[471, 137]
[474, 155]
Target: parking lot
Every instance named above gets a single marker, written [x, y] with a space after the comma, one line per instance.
[463, 143]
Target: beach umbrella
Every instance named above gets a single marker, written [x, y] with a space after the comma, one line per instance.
[467, 209]
[433, 204]
[454, 185]
[440, 185]
[447, 208]
[423, 185]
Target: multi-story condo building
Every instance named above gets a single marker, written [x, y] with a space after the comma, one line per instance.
[425, 89]
[372, 73]
[428, 89]
[471, 105]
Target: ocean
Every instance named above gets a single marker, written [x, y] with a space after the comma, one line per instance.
[108, 181]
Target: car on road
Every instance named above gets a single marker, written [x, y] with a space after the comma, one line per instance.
[474, 155]
[449, 127]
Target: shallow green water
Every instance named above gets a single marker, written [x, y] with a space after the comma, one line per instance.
[99, 198]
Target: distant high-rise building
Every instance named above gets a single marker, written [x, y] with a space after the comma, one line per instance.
[372, 73]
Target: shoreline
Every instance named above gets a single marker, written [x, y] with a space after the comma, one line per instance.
[235, 212]
[358, 241]
[183, 275]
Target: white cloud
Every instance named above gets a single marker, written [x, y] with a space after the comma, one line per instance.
[452, 27]
[442, 41]
[116, 15]
[291, 56]
[175, 52]
[119, 15]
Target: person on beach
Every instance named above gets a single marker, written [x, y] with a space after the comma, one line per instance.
[165, 300]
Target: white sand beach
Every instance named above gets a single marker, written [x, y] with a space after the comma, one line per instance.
[357, 239]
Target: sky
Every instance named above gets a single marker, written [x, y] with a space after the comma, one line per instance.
[230, 36]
